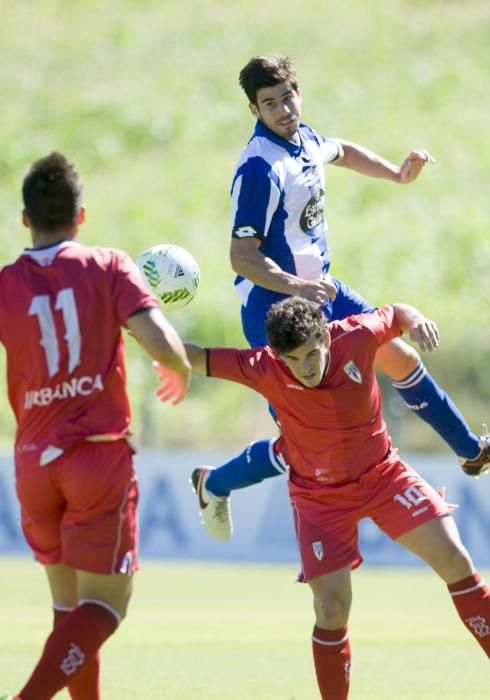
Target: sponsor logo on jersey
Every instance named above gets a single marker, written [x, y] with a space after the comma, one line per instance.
[313, 213]
[322, 474]
[317, 550]
[295, 386]
[244, 232]
[353, 372]
[30, 447]
[77, 386]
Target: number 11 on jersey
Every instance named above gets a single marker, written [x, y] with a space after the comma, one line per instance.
[41, 307]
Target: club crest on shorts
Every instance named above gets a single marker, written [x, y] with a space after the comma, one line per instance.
[353, 372]
[317, 550]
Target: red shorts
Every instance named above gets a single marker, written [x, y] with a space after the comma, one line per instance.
[80, 510]
[326, 518]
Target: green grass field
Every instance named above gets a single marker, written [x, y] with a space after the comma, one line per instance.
[143, 95]
[232, 632]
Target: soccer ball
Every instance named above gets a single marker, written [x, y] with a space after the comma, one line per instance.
[171, 273]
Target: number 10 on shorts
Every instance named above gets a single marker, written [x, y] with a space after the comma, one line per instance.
[411, 497]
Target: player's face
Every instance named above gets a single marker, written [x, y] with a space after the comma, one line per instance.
[308, 362]
[279, 108]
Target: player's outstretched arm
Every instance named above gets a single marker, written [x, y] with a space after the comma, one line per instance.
[162, 342]
[366, 162]
[421, 330]
[168, 382]
[247, 261]
[197, 357]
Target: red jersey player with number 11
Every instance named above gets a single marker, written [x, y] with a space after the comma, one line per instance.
[342, 467]
[62, 307]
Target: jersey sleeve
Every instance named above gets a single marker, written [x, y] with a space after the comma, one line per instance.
[248, 367]
[382, 323]
[255, 197]
[330, 149]
[129, 291]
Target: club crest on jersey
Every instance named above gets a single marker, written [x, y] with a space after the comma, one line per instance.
[317, 550]
[353, 372]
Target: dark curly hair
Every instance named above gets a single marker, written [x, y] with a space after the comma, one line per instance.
[52, 193]
[266, 71]
[292, 322]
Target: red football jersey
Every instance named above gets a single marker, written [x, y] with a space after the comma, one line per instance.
[61, 312]
[334, 432]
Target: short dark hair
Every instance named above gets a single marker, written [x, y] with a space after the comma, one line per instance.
[293, 321]
[266, 71]
[52, 194]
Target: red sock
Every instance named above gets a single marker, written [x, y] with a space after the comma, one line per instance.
[471, 596]
[333, 662]
[71, 645]
[86, 684]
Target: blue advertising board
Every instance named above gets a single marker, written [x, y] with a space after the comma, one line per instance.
[170, 526]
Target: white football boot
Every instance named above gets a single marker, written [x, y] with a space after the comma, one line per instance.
[214, 510]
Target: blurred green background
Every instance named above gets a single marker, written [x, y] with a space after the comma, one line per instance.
[143, 96]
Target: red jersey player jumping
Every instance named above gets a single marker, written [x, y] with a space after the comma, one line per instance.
[62, 307]
[342, 467]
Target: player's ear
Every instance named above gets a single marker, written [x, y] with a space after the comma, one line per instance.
[81, 216]
[25, 219]
[254, 109]
[327, 338]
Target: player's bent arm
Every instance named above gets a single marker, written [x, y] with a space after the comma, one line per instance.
[160, 340]
[421, 330]
[366, 162]
[247, 261]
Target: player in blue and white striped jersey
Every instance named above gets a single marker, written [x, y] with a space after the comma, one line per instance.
[278, 197]
[279, 247]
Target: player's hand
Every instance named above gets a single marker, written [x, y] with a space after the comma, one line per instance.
[318, 291]
[173, 386]
[425, 333]
[413, 164]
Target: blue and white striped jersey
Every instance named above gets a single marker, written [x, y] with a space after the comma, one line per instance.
[278, 194]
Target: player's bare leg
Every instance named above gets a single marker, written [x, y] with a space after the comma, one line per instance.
[332, 597]
[438, 543]
[114, 591]
[63, 585]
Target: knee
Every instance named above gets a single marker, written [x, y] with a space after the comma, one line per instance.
[453, 563]
[332, 609]
[397, 360]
